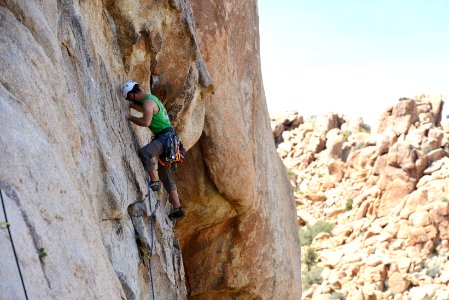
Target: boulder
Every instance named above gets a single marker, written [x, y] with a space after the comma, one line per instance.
[336, 169]
[325, 123]
[334, 144]
[420, 219]
[445, 125]
[402, 154]
[384, 141]
[305, 217]
[331, 258]
[397, 283]
[404, 264]
[400, 117]
[435, 155]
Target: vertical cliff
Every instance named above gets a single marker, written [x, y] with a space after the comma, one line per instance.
[239, 238]
[72, 183]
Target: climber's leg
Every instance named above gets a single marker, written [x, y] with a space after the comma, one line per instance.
[148, 155]
[166, 176]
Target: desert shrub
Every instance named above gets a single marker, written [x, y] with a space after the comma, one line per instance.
[346, 135]
[311, 277]
[433, 272]
[296, 190]
[349, 202]
[307, 233]
[310, 258]
[291, 174]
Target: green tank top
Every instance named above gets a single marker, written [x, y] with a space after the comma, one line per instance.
[160, 121]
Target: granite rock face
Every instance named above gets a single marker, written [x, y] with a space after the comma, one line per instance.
[73, 186]
[241, 199]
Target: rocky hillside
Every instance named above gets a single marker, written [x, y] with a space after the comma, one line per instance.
[373, 208]
[73, 186]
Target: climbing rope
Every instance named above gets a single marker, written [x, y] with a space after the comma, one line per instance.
[153, 245]
[12, 244]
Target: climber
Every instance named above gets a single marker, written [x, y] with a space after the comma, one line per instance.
[155, 117]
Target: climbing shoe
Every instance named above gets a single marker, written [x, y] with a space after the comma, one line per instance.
[155, 185]
[176, 213]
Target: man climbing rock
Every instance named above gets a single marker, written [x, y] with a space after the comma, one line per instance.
[162, 146]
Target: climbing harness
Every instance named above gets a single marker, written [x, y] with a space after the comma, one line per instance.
[174, 151]
[153, 245]
[12, 244]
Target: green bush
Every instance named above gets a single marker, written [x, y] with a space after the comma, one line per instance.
[311, 277]
[306, 234]
[346, 135]
[296, 190]
[349, 202]
[41, 252]
[291, 174]
[433, 272]
[310, 258]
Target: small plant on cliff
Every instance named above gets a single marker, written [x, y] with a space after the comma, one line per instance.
[306, 234]
[41, 252]
[311, 277]
[349, 202]
[4, 225]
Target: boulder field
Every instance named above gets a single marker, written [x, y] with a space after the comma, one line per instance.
[373, 208]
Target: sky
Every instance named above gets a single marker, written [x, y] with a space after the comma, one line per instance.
[355, 57]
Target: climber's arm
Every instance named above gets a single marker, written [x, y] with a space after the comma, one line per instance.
[144, 121]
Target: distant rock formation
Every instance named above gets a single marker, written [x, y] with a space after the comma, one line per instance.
[74, 187]
[386, 193]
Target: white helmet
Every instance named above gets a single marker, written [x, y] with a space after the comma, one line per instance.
[129, 85]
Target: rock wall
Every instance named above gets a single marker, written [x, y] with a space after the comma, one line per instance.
[74, 188]
[239, 197]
